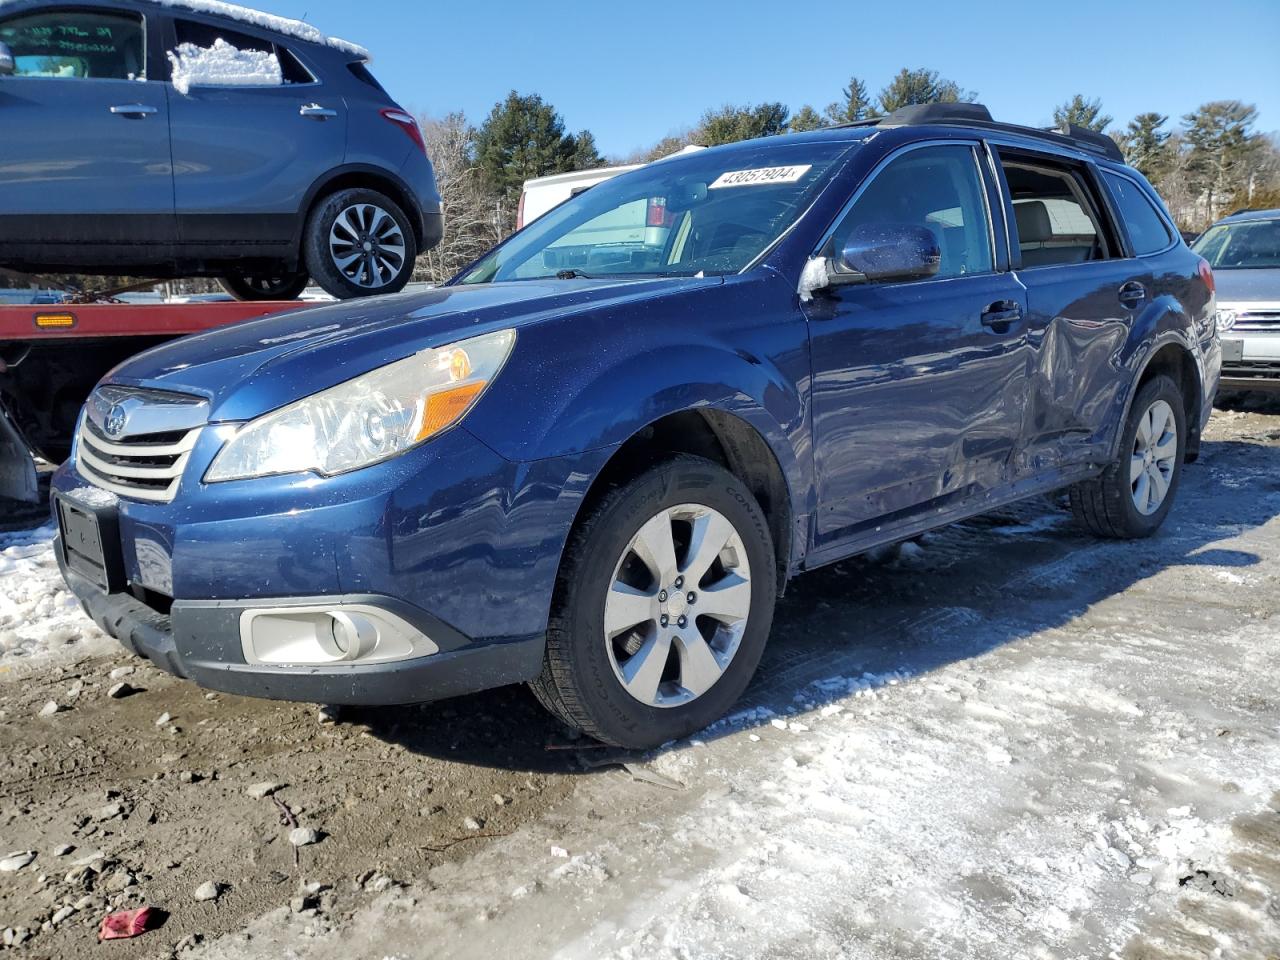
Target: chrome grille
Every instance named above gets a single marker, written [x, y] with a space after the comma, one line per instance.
[136, 443]
[1257, 320]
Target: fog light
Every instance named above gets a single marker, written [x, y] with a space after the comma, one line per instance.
[331, 634]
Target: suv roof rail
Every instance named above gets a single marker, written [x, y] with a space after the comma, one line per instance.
[976, 114]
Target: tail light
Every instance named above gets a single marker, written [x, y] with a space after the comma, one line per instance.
[657, 215]
[520, 212]
[1206, 274]
[406, 123]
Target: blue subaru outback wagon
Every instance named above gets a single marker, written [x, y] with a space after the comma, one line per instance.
[593, 459]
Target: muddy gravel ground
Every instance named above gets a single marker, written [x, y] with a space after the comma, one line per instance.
[1042, 668]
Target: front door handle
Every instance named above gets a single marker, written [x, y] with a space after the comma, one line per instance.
[317, 112]
[1132, 293]
[134, 110]
[1001, 315]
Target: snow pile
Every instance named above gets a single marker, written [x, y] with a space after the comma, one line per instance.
[267, 21]
[223, 65]
[40, 619]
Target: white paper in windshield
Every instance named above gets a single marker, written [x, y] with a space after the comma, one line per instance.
[760, 176]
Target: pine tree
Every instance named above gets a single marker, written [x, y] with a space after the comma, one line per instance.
[730, 124]
[1082, 113]
[1146, 145]
[921, 86]
[1223, 148]
[523, 138]
[856, 105]
[806, 118]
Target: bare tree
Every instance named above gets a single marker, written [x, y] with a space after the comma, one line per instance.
[474, 218]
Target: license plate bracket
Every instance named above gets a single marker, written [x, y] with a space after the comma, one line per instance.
[90, 538]
[1232, 351]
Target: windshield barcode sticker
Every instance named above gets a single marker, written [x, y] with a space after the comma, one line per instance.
[760, 176]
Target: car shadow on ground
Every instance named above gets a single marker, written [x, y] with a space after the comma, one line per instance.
[902, 612]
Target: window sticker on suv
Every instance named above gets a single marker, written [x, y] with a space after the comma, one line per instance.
[760, 175]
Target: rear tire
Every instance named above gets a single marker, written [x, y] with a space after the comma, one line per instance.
[265, 286]
[1122, 503]
[358, 243]
[701, 639]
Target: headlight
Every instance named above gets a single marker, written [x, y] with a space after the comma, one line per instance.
[375, 416]
[1224, 320]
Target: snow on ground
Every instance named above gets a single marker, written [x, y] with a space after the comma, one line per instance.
[40, 619]
[223, 65]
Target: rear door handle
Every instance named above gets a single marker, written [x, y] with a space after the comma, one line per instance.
[134, 110]
[1132, 293]
[317, 112]
[1001, 315]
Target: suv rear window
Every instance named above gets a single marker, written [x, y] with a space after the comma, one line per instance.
[77, 44]
[1147, 229]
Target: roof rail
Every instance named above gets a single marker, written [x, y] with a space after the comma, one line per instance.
[975, 114]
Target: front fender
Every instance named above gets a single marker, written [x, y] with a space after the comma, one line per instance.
[582, 383]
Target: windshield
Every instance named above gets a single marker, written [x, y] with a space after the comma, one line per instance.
[1241, 246]
[707, 213]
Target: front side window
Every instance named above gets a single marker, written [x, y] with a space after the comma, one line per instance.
[1147, 229]
[77, 44]
[701, 214]
[1054, 214]
[938, 188]
[1247, 244]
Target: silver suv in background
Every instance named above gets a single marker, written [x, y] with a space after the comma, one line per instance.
[163, 138]
[1244, 251]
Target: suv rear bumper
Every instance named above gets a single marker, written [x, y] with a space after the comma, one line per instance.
[197, 641]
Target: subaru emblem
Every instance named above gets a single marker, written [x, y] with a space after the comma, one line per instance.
[115, 421]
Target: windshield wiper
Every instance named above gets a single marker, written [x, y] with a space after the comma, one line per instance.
[574, 274]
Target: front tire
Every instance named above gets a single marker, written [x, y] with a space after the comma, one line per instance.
[358, 243]
[265, 286]
[662, 607]
[1133, 496]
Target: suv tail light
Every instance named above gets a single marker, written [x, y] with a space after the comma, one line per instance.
[656, 215]
[1206, 274]
[406, 123]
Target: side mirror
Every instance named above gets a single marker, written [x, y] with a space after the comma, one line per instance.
[886, 251]
[8, 66]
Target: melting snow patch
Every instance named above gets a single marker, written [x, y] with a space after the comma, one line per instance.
[223, 65]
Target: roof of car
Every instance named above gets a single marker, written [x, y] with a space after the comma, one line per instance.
[971, 116]
[1239, 215]
[296, 29]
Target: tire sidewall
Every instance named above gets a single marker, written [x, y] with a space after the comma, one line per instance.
[1158, 388]
[236, 285]
[315, 244]
[619, 716]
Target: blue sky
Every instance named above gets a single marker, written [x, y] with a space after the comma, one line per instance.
[632, 72]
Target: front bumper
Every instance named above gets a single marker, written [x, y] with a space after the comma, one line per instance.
[194, 641]
[1250, 359]
[450, 538]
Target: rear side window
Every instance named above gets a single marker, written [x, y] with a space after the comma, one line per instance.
[938, 188]
[1056, 216]
[1147, 229]
[213, 55]
[77, 45]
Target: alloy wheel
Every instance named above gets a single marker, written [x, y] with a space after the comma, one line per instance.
[367, 245]
[677, 605]
[1155, 451]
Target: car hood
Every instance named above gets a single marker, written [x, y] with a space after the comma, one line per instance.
[1246, 286]
[249, 368]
